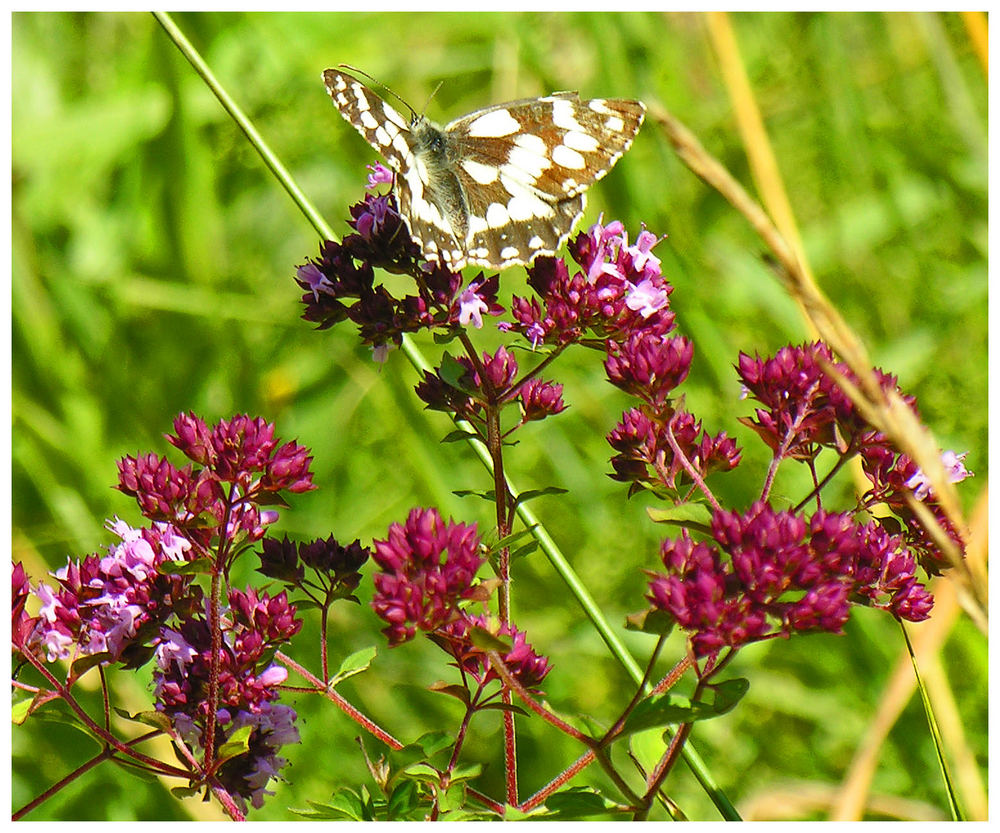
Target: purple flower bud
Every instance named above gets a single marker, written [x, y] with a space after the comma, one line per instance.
[540, 399]
[427, 567]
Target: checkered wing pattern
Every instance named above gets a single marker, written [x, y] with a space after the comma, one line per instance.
[499, 186]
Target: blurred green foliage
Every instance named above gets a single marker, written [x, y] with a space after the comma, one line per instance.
[153, 258]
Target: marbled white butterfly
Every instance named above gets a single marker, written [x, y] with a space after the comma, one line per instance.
[499, 186]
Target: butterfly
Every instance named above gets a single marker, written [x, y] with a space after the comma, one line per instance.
[501, 185]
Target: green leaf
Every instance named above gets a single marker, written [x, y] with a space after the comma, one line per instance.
[422, 771]
[531, 494]
[578, 801]
[453, 798]
[434, 742]
[354, 664]
[513, 538]
[238, 744]
[158, 720]
[691, 515]
[466, 772]
[458, 435]
[728, 693]
[200, 566]
[487, 495]
[402, 800]
[455, 690]
[521, 552]
[185, 792]
[345, 804]
[452, 372]
[669, 709]
[651, 620]
[503, 707]
[86, 663]
[19, 711]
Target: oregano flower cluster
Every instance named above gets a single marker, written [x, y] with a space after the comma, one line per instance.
[731, 576]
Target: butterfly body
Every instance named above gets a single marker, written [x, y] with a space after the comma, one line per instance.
[501, 185]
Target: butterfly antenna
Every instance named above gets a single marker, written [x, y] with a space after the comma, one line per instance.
[391, 92]
[430, 98]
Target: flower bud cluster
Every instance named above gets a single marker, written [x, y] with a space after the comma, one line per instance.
[467, 394]
[340, 283]
[775, 573]
[527, 667]
[426, 568]
[253, 626]
[242, 466]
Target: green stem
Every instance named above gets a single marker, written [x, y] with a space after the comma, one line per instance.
[238, 116]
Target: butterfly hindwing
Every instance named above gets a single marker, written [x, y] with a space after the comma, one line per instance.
[499, 186]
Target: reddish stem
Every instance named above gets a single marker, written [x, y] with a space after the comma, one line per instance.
[320, 688]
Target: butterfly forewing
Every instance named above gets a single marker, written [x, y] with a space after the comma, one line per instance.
[499, 186]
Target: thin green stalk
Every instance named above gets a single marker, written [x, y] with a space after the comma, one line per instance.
[238, 116]
[416, 358]
[956, 812]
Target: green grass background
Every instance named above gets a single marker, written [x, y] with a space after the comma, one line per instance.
[153, 258]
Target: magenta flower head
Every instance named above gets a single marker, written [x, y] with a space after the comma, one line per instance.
[769, 573]
[618, 291]
[113, 604]
[526, 666]
[427, 568]
[649, 366]
[653, 450]
[540, 399]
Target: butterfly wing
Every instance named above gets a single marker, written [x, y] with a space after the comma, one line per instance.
[525, 166]
[379, 123]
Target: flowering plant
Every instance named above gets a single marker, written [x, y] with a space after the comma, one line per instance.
[730, 577]
[224, 656]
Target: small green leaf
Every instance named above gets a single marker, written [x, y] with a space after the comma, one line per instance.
[422, 771]
[446, 336]
[488, 495]
[651, 620]
[348, 801]
[513, 538]
[185, 792]
[19, 711]
[531, 494]
[728, 693]
[458, 435]
[354, 664]
[466, 771]
[578, 801]
[200, 566]
[521, 552]
[487, 641]
[692, 515]
[669, 709]
[238, 744]
[455, 690]
[86, 663]
[402, 800]
[434, 742]
[158, 720]
[453, 798]
[504, 707]
[452, 372]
